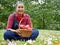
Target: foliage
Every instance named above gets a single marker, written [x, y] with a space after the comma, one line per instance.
[43, 16]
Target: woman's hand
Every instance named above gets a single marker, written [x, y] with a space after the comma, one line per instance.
[13, 30]
[17, 30]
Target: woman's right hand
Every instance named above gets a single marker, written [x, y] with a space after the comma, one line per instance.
[11, 30]
[17, 30]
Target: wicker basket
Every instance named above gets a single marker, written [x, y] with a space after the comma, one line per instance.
[25, 33]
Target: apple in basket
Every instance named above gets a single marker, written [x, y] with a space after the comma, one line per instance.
[25, 27]
[22, 26]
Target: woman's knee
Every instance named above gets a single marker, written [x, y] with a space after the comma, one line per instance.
[8, 34]
[5, 35]
[34, 35]
[35, 32]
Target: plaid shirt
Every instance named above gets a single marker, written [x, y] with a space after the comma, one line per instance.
[26, 20]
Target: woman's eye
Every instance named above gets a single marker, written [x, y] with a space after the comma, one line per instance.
[20, 7]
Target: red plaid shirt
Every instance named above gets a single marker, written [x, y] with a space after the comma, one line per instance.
[26, 20]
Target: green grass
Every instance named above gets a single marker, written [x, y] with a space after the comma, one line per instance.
[44, 35]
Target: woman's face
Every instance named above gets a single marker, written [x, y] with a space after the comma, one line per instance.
[20, 8]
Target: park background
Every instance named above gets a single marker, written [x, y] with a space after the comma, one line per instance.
[45, 16]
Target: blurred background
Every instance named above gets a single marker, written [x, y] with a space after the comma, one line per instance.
[45, 14]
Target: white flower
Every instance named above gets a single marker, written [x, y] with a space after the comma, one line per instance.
[34, 2]
[25, 44]
[11, 43]
[41, 1]
[49, 41]
[30, 41]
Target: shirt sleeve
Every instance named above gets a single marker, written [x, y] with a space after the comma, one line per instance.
[29, 22]
[10, 22]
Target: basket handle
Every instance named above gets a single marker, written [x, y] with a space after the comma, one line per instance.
[20, 22]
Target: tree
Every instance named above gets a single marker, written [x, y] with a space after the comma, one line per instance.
[43, 16]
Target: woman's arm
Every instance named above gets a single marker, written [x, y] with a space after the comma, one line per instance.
[10, 22]
[29, 22]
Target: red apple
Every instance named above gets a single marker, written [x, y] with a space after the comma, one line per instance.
[22, 26]
[27, 27]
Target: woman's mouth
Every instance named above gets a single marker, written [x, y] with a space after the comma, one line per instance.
[20, 10]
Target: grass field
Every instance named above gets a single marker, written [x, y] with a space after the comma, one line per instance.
[46, 37]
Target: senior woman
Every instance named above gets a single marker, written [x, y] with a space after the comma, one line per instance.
[13, 21]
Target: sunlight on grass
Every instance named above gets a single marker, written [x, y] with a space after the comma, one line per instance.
[44, 38]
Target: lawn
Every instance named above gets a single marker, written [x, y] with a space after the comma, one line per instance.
[46, 37]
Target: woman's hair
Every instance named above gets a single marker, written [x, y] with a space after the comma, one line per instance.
[19, 2]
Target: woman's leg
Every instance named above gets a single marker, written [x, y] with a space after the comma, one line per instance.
[11, 35]
[34, 35]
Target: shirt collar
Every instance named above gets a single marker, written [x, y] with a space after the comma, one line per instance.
[19, 15]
